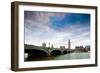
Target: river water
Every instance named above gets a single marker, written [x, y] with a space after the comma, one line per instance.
[82, 55]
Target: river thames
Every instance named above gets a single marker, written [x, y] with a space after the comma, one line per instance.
[70, 56]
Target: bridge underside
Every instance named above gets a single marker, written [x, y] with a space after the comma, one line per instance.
[35, 53]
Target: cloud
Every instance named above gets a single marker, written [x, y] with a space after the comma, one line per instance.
[38, 30]
[41, 17]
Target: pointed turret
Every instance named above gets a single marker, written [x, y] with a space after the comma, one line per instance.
[69, 44]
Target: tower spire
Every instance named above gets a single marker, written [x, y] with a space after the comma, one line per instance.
[49, 44]
[69, 44]
[52, 46]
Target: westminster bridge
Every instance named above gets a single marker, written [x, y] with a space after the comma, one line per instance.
[35, 51]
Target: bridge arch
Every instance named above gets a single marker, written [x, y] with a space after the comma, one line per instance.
[65, 52]
[34, 53]
[55, 52]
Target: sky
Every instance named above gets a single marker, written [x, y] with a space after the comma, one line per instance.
[56, 28]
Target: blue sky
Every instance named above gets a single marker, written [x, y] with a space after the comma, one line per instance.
[57, 28]
[70, 20]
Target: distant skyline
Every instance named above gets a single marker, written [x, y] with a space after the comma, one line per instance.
[56, 28]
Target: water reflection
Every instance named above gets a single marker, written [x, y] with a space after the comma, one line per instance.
[82, 55]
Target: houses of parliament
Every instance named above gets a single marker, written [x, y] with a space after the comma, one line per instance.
[52, 46]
